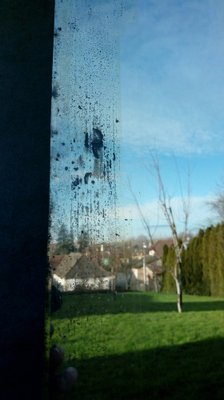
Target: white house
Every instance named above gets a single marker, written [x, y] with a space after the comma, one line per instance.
[140, 278]
[148, 278]
[60, 269]
[79, 272]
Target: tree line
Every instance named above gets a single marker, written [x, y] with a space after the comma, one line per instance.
[65, 243]
[202, 264]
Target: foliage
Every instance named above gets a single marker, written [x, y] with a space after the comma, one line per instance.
[136, 346]
[169, 259]
[65, 241]
[83, 240]
[202, 263]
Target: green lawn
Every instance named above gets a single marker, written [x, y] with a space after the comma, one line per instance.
[136, 346]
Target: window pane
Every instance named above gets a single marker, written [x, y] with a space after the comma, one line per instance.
[137, 152]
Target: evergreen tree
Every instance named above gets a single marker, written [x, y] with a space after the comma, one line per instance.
[83, 240]
[219, 259]
[213, 261]
[203, 262]
[206, 262]
[187, 269]
[169, 259]
[65, 241]
[197, 279]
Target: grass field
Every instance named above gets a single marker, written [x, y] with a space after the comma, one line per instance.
[136, 346]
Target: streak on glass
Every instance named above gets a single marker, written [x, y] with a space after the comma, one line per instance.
[85, 119]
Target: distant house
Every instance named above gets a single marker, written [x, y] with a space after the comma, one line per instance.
[156, 250]
[148, 278]
[156, 276]
[80, 272]
[140, 278]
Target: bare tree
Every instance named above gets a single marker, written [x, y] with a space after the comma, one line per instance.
[166, 208]
[165, 205]
[217, 205]
[145, 222]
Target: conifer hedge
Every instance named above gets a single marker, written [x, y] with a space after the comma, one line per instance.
[202, 264]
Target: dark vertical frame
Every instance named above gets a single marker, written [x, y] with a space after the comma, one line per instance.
[26, 45]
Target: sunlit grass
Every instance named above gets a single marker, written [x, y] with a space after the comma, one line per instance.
[136, 343]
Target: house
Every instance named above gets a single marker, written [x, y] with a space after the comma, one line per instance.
[61, 265]
[140, 278]
[87, 274]
[148, 278]
[156, 276]
[55, 260]
[81, 272]
[156, 250]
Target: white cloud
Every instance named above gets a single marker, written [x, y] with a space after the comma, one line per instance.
[168, 134]
[199, 214]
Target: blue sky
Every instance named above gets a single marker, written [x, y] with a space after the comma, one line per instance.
[172, 96]
[172, 54]
[158, 68]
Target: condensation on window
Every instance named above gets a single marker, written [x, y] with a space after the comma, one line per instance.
[85, 119]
